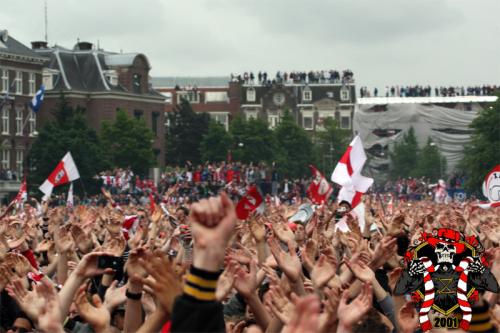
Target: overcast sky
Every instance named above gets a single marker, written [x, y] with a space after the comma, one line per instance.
[384, 42]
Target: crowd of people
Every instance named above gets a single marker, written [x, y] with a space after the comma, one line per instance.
[193, 267]
[295, 77]
[428, 91]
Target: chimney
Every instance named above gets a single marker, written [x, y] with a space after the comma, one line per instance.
[83, 46]
[39, 45]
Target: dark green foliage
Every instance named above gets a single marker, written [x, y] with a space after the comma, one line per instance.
[67, 132]
[127, 142]
[483, 153]
[404, 156]
[184, 134]
[215, 144]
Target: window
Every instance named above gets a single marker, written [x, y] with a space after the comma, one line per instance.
[216, 96]
[5, 120]
[19, 162]
[32, 123]
[5, 159]
[251, 96]
[138, 114]
[5, 80]
[19, 122]
[307, 95]
[136, 83]
[221, 118]
[344, 94]
[154, 122]
[273, 121]
[345, 122]
[48, 79]
[192, 96]
[19, 83]
[252, 114]
[32, 84]
[307, 122]
[111, 77]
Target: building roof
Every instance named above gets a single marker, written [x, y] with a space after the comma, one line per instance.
[122, 59]
[185, 81]
[426, 100]
[10, 45]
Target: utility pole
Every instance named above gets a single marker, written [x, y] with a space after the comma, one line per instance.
[46, 23]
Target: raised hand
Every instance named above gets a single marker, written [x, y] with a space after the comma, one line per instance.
[114, 296]
[29, 301]
[226, 281]
[87, 267]
[324, 269]
[245, 282]
[384, 250]
[288, 262]
[283, 232]
[162, 280]
[257, 229]
[305, 318]
[6, 276]
[95, 314]
[63, 240]
[350, 314]
[134, 269]
[18, 263]
[281, 306]
[49, 315]
[361, 271]
[408, 318]
[115, 245]
[212, 222]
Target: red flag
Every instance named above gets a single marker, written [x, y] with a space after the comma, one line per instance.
[250, 202]
[151, 202]
[320, 189]
[22, 195]
[64, 172]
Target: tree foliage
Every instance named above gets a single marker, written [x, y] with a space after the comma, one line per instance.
[185, 133]
[68, 131]
[252, 140]
[483, 152]
[294, 147]
[215, 144]
[330, 145]
[127, 142]
[404, 156]
[431, 163]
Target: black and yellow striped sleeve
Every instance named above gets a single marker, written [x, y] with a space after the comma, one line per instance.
[201, 284]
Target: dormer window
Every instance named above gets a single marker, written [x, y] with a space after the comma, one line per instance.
[344, 94]
[306, 94]
[136, 83]
[251, 96]
[111, 77]
[48, 78]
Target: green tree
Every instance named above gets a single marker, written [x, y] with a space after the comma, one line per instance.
[128, 143]
[216, 143]
[430, 162]
[185, 133]
[404, 156]
[252, 140]
[68, 131]
[294, 147]
[483, 152]
[330, 145]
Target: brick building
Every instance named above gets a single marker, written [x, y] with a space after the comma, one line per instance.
[102, 82]
[20, 77]
[223, 98]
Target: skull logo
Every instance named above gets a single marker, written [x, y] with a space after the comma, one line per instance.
[445, 252]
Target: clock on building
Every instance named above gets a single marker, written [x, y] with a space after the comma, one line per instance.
[279, 98]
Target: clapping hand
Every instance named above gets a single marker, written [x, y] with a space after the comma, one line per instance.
[350, 314]
[288, 262]
[96, 314]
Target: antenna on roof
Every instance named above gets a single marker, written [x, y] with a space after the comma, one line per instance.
[46, 23]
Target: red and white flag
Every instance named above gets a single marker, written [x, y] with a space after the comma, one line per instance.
[248, 203]
[347, 173]
[22, 195]
[491, 189]
[64, 173]
[320, 189]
